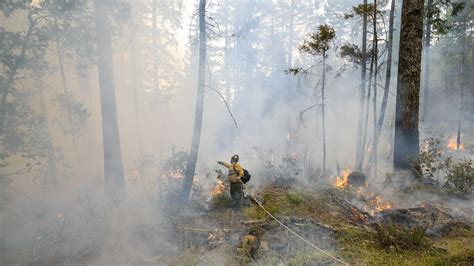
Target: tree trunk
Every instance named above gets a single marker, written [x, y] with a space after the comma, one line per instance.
[193, 154]
[51, 176]
[291, 33]
[406, 144]
[135, 82]
[66, 94]
[375, 52]
[113, 169]
[470, 91]
[154, 46]
[226, 53]
[426, 60]
[367, 107]
[388, 74]
[323, 118]
[290, 94]
[462, 85]
[359, 147]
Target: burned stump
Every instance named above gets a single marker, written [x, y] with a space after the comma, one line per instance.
[357, 179]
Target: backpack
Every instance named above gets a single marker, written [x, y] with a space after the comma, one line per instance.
[246, 177]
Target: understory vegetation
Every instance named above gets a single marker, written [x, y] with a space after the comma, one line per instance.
[361, 243]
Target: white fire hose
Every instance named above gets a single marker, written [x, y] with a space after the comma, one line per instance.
[293, 232]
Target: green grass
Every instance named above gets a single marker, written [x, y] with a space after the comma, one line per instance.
[311, 257]
[294, 198]
[286, 203]
[361, 247]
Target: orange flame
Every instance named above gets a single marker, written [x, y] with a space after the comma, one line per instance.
[341, 182]
[452, 144]
[376, 205]
[219, 188]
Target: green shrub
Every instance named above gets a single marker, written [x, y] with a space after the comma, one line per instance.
[430, 160]
[395, 237]
[294, 198]
[221, 201]
[460, 176]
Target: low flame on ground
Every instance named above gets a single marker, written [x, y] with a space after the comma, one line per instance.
[219, 188]
[341, 182]
[452, 144]
[374, 202]
[376, 205]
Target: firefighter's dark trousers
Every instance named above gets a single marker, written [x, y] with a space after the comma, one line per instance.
[236, 193]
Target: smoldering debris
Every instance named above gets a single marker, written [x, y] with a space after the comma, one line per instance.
[434, 219]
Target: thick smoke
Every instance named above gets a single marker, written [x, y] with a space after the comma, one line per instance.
[250, 46]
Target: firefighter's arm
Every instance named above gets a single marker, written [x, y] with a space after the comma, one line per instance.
[228, 165]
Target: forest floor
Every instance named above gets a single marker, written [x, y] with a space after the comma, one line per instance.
[212, 233]
[421, 235]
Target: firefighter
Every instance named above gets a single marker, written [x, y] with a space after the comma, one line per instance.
[235, 174]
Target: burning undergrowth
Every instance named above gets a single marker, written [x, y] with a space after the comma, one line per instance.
[353, 186]
[249, 234]
[332, 215]
[325, 216]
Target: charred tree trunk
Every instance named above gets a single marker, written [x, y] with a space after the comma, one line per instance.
[426, 60]
[193, 154]
[388, 74]
[406, 143]
[359, 147]
[113, 169]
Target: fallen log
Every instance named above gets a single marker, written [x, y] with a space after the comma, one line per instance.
[203, 230]
[253, 222]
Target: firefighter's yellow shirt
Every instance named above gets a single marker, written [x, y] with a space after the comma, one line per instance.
[235, 172]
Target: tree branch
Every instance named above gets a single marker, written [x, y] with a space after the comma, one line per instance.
[300, 115]
[226, 105]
